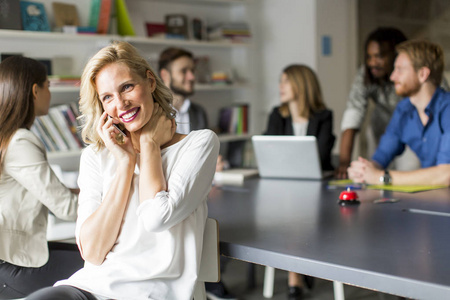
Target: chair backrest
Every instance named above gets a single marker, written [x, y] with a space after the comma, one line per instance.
[210, 262]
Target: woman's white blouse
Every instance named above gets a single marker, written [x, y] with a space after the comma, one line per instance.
[157, 253]
[300, 129]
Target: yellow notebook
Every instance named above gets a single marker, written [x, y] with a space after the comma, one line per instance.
[406, 188]
[394, 188]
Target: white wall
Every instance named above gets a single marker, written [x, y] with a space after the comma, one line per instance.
[286, 34]
[338, 20]
[290, 31]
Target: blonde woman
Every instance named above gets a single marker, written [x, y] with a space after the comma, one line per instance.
[28, 187]
[302, 112]
[142, 196]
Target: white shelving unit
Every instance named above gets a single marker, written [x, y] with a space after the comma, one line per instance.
[224, 56]
[182, 43]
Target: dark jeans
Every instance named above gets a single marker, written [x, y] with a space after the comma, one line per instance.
[18, 282]
[62, 292]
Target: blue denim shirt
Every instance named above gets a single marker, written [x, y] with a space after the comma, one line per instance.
[431, 142]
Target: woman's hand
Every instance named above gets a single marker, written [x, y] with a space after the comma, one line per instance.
[159, 130]
[122, 152]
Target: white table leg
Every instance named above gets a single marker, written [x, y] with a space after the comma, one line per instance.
[338, 290]
[269, 278]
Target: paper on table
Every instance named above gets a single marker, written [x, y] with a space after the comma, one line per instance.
[341, 182]
[406, 188]
[234, 176]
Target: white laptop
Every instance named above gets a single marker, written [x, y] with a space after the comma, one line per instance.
[287, 156]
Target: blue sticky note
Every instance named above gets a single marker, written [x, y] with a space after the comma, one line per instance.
[326, 45]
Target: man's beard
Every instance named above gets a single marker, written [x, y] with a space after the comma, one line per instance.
[180, 91]
[409, 90]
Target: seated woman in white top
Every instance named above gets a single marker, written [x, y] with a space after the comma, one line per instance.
[143, 196]
[28, 187]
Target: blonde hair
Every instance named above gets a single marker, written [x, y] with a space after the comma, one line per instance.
[306, 90]
[425, 54]
[90, 105]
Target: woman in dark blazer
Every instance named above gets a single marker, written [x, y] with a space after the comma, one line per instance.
[302, 106]
[302, 112]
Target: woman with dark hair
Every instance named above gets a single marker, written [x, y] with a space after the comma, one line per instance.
[28, 187]
[302, 112]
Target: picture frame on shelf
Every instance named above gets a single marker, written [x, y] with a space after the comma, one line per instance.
[34, 17]
[4, 56]
[65, 14]
[10, 15]
[47, 63]
[177, 26]
[62, 65]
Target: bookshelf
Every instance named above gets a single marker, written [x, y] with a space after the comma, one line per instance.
[182, 43]
[209, 2]
[60, 37]
[225, 56]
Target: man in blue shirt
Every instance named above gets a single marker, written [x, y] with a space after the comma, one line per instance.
[421, 121]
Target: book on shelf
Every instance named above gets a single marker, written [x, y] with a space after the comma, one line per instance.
[10, 17]
[94, 13]
[234, 32]
[155, 29]
[234, 176]
[202, 69]
[59, 80]
[198, 29]
[234, 119]
[34, 17]
[72, 123]
[104, 16]
[59, 129]
[44, 135]
[61, 123]
[53, 133]
[220, 78]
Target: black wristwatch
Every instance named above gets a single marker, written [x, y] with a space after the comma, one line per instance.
[386, 179]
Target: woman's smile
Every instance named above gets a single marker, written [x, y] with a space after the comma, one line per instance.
[130, 115]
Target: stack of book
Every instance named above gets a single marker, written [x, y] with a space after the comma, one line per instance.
[220, 78]
[57, 80]
[59, 129]
[234, 32]
[234, 119]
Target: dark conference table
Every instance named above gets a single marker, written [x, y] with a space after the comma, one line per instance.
[400, 248]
